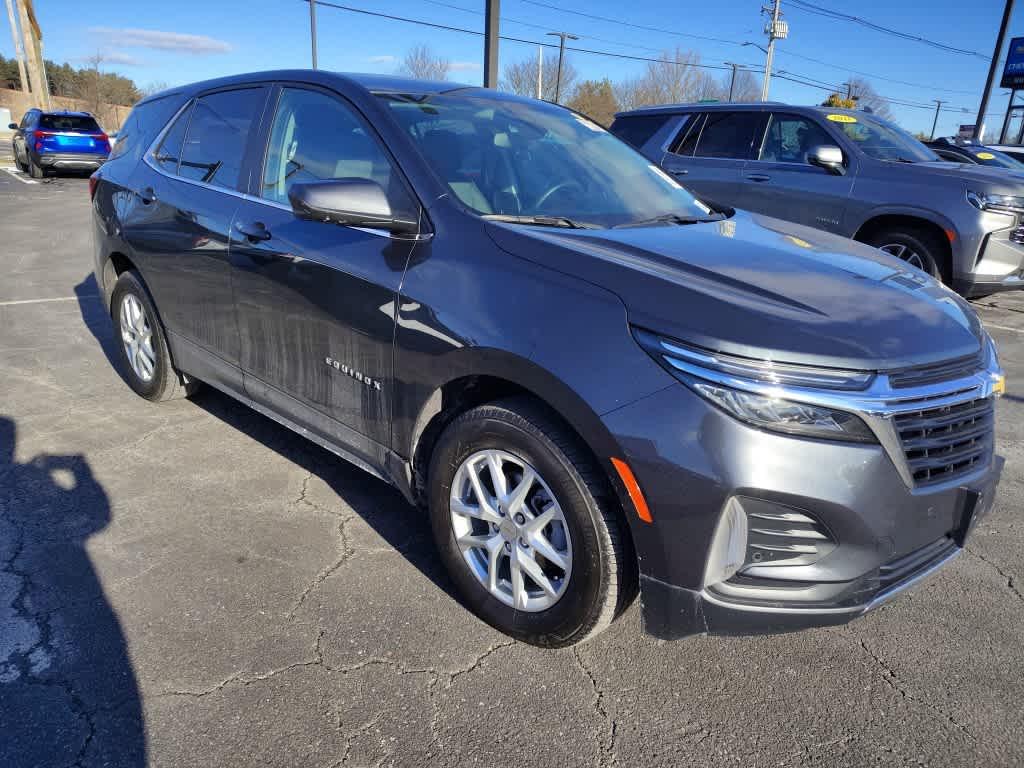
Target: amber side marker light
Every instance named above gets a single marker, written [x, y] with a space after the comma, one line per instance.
[633, 488]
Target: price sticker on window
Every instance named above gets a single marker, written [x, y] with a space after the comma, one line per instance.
[842, 118]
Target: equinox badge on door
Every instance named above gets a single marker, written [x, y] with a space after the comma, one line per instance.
[372, 383]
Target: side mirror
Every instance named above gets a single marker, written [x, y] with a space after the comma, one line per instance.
[12, 126]
[352, 202]
[828, 157]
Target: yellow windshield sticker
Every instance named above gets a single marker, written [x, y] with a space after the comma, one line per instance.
[842, 118]
[985, 156]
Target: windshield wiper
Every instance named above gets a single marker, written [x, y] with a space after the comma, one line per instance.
[671, 218]
[540, 221]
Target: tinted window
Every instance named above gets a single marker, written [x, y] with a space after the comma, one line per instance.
[686, 139]
[791, 137]
[316, 137]
[77, 123]
[142, 126]
[217, 135]
[169, 152]
[638, 130]
[881, 139]
[728, 134]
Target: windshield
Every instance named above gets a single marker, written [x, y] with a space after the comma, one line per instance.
[881, 139]
[501, 155]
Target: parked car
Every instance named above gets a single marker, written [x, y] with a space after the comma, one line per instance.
[579, 371]
[1013, 150]
[45, 141]
[957, 150]
[846, 172]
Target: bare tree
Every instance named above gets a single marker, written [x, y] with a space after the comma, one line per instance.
[154, 87]
[674, 79]
[421, 63]
[521, 77]
[746, 87]
[866, 96]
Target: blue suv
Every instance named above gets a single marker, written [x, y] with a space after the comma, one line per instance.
[58, 140]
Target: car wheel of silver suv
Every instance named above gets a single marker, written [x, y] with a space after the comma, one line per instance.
[916, 247]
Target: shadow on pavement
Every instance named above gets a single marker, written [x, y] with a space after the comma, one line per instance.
[67, 687]
[96, 318]
[383, 507]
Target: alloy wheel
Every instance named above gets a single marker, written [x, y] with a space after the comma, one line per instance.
[906, 253]
[137, 337]
[511, 530]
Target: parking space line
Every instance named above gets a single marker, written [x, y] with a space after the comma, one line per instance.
[1004, 328]
[17, 174]
[43, 301]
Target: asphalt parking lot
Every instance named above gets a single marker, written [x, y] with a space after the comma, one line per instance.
[191, 584]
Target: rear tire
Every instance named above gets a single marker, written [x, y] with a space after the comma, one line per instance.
[917, 247]
[18, 163]
[142, 345]
[34, 169]
[590, 563]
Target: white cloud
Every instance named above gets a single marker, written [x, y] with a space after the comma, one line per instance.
[120, 57]
[381, 59]
[162, 41]
[464, 66]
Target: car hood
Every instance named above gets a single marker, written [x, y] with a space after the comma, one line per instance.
[991, 176]
[760, 287]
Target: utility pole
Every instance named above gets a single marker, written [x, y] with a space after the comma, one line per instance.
[935, 122]
[561, 53]
[540, 71]
[312, 29]
[979, 124]
[776, 29]
[19, 52]
[732, 80]
[1006, 118]
[33, 55]
[491, 39]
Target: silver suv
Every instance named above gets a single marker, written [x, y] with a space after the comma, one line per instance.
[846, 172]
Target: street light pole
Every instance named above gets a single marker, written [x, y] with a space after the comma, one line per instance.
[492, 9]
[561, 54]
[979, 124]
[935, 122]
[732, 80]
[312, 29]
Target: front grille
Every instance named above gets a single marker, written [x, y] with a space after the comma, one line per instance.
[944, 443]
[937, 372]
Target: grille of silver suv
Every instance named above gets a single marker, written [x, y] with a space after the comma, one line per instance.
[937, 372]
[946, 442]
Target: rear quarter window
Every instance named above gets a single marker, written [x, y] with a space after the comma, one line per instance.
[143, 126]
[637, 130]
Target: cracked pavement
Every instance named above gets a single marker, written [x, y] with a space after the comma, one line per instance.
[191, 584]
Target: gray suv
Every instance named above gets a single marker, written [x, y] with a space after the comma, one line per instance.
[847, 172]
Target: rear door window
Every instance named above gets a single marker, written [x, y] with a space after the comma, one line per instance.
[217, 135]
[637, 130]
[729, 135]
[168, 154]
[74, 123]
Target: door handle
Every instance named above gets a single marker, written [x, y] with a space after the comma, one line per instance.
[679, 172]
[148, 196]
[254, 232]
[759, 177]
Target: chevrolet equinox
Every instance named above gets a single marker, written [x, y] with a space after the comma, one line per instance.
[591, 381]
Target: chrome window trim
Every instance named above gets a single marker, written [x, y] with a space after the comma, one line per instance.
[877, 404]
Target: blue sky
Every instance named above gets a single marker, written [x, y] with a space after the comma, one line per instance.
[185, 40]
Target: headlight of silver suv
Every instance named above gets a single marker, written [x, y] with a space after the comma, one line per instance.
[985, 201]
[715, 376]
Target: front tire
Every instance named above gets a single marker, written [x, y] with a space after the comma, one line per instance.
[142, 345]
[918, 248]
[526, 527]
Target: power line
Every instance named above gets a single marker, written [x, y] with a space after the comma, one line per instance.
[803, 5]
[872, 75]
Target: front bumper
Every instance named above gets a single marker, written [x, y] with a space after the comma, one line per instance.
[999, 261]
[882, 535]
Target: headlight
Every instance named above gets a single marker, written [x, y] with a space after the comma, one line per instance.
[724, 381]
[998, 203]
[785, 415]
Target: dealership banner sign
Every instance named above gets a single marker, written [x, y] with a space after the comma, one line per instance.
[1013, 72]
